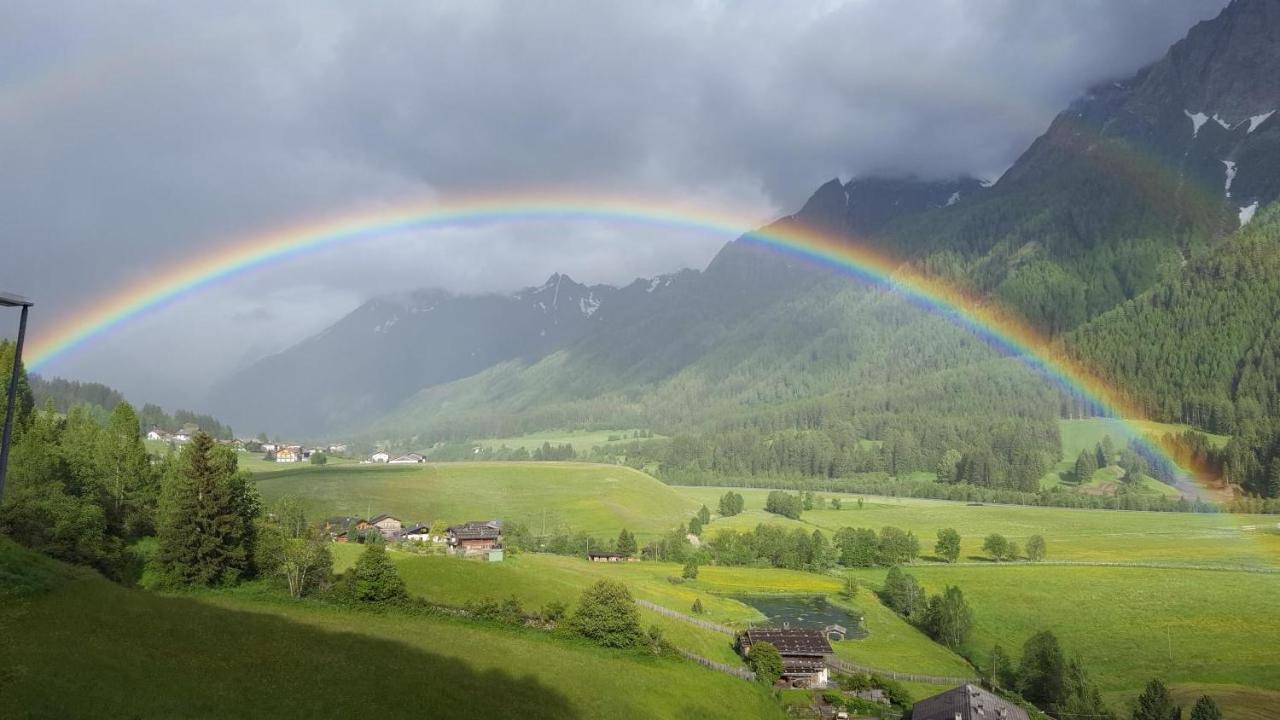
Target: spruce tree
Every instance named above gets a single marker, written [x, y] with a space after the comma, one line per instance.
[704, 515]
[376, 579]
[1155, 703]
[205, 532]
[1206, 709]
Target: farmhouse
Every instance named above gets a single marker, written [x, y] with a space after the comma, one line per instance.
[803, 653]
[287, 455]
[389, 526]
[380, 457]
[475, 537]
[157, 434]
[967, 702]
[409, 459]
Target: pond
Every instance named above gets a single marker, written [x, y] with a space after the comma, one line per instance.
[805, 612]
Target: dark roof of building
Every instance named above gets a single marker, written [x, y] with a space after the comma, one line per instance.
[967, 702]
[418, 529]
[795, 665]
[605, 554]
[382, 517]
[476, 530]
[791, 642]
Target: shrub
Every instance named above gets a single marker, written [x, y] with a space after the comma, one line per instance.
[766, 661]
[375, 576]
[607, 615]
[697, 606]
[690, 571]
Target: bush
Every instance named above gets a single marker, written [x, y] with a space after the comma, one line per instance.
[553, 612]
[375, 577]
[765, 660]
[607, 615]
[697, 606]
[690, 571]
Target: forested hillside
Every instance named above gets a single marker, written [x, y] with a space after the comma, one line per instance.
[99, 400]
[1204, 348]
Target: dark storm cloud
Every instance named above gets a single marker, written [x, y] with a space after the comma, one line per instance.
[134, 135]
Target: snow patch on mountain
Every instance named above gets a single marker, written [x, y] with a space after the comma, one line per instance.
[1231, 175]
[1197, 120]
[1225, 125]
[1246, 213]
[1257, 120]
[955, 198]
[589, 305]
[386, 324]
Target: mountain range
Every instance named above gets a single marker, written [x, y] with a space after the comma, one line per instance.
[1139, 187]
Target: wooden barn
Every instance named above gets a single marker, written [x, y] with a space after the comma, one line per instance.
[804, 653]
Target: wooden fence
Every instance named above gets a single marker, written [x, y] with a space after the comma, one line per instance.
[714, 627]
[845, 666]
[738, 672]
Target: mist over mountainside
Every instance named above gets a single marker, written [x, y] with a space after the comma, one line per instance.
[1126, 184]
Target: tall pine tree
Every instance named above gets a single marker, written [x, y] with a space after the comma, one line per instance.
[206, 523]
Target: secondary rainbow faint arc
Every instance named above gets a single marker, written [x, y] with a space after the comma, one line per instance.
[999, 328]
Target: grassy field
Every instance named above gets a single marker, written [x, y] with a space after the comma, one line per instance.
[1085, 434]
[581, 440]
[596, 499]
[243, 653]
[538, 579]
[1127, 624]
[1074, 535]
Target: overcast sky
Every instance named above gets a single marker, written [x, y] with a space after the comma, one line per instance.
[134, 135]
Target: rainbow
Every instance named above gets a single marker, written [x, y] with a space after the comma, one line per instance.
[995, 326]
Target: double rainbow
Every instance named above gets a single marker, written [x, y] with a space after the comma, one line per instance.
[998, 328]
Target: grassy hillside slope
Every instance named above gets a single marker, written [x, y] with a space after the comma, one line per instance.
[538, 579]
[596, 499]
[240, 653]
[1072, 535]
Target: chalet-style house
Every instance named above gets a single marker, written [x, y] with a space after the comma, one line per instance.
[967, 702]
[380, 457]
[475, 537]
[804, 662]
[409, 459]
[346, 528]
[418, 533]
[613, 557]
[389, 526]
[157, 434]
[288, 455]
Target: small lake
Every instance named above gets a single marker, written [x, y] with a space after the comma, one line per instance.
[804, 612]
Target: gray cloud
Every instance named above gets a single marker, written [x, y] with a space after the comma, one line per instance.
[135, 135]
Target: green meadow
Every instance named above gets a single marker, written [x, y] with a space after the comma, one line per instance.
[1072, 535]
[246, 652]
[1127, 624]
[596, 499]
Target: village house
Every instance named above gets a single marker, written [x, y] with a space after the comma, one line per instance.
[269, 447]
[475, 537]
[418, 533]
[967, 702]
[409, 459]
[346, 528]
[804, 663]
[380, 457]
[389, 526]
[287, 455]
[157, 434]
[337, 448]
